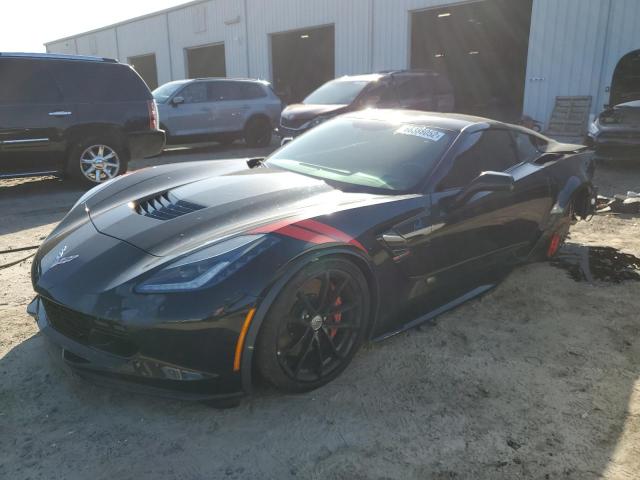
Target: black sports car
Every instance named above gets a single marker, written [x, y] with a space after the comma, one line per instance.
[190, 279]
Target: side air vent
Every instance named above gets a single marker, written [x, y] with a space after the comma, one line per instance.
[165, 207]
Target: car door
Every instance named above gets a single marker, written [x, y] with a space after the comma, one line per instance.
[229, 105]
[33, 118]
[194, 116]
[469, 240]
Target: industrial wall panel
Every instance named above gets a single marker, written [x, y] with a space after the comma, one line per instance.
[101, 43]
[215, 21]
[67, 47]
[351, 19]
[392, 31]
[623, 37]
[145, 36]
[566, 50]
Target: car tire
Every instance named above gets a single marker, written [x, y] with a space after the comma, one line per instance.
[258, 132]
[315, 326]
[109, 158]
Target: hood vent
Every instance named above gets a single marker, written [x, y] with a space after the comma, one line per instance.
[165, 207]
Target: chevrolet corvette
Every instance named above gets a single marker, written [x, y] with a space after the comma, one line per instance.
[192, 280]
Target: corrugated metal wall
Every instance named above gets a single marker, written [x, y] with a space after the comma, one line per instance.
[350, 18]
[573, 50]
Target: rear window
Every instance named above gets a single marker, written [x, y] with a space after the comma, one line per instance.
[371, 153]
[25, 81]
[91, 82]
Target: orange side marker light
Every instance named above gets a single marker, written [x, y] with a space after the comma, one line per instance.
[241, 338]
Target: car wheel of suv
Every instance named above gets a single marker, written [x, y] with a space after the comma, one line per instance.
[257, 133]
[96, 160]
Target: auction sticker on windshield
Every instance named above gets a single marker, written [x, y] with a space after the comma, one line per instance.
[422, 132]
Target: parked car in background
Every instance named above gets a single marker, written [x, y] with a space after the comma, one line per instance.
[81, 117]
[408, 89]
[218, 109]
[616, 131]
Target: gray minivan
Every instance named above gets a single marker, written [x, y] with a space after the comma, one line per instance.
[218, 109]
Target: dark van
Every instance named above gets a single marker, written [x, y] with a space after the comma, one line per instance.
[409, 89]
[81, 117]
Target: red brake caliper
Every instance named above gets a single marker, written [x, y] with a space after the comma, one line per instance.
[337, 317]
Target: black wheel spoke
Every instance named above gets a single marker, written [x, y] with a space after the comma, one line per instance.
[343, 308]
[304, 356]
[320, 357]
[341, 326]
[298, 343]
[332, 345]
[324, 292]
[307, 303]
[336, 294]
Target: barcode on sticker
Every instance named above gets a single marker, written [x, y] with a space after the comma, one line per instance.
[422, 132]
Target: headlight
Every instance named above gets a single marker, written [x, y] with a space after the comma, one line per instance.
[207, 266]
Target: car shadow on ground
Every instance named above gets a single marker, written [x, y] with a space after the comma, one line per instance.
[504, 387]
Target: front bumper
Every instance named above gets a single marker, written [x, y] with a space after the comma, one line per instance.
[146, 144]
[136, 372]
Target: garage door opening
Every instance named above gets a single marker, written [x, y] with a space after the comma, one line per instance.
[625, 86]
[207, 61]
[146, 67]
[482, 47]
[302, 60]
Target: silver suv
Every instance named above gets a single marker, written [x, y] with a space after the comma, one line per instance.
[218, 109]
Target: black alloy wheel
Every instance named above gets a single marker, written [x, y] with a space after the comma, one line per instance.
[315, 326]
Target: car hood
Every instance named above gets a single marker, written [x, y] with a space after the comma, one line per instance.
[301, 112]
[182, 209]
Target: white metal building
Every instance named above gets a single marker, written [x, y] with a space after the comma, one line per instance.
[529, 51]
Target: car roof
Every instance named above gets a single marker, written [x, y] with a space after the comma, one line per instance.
[226, 79]
[56, 56]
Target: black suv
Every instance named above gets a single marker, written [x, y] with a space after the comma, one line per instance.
[82, 117]
[410, 89]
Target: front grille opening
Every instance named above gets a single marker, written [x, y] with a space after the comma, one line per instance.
[88, 330]
[165, 206]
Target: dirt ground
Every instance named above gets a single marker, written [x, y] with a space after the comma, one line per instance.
[538, 379]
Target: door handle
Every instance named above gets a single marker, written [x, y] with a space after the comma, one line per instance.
[60, 113]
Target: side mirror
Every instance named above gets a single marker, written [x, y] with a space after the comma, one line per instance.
[485, 182]
[175, 101]
[285, 140]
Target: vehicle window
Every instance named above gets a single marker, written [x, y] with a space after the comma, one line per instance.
[25, 81]
[90, 82]
[249, 91]
[194, 93]
[379, 93]
[372, 153]
[164, 92]
[336, 92]
[527, 145]
[413, 87]
[491, 150]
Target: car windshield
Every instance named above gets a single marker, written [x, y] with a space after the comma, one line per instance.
[371, 153]
[336, 92]
[164, 92]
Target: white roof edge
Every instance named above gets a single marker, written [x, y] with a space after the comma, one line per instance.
[126, 22]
